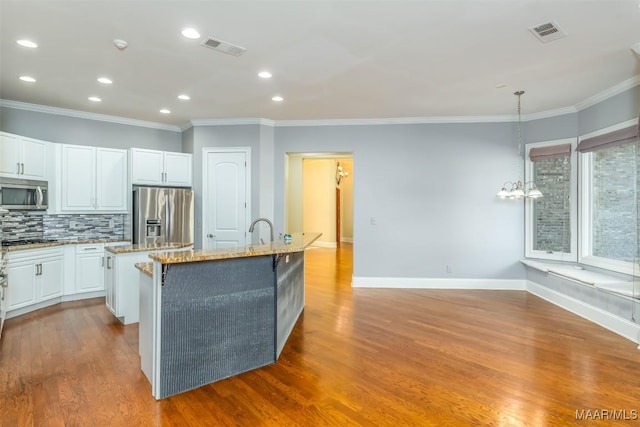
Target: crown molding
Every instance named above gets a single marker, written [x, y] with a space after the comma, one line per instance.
[85, 115]
[550, 113]
[186, 126]
[231, 122]
[608, 93]
[395, 121]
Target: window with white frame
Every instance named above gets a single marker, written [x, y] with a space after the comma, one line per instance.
[551, 229]
[609, 197]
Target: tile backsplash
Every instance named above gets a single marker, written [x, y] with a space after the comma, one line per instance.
[21, 225]
[18, 225]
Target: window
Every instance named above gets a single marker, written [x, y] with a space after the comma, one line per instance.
[551, 231]
[609, 197]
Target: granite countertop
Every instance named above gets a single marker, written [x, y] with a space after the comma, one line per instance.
[298, 243]
[60, 243]
[142, 247]
[145, 267]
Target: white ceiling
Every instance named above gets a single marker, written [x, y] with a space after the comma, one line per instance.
[329, 59]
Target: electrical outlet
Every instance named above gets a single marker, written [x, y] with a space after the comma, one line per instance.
[449, 271]
[373, 221]
[112, 223]
[72, 224]
[286, 259]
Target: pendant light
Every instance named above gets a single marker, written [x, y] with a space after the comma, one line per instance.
[516, 189]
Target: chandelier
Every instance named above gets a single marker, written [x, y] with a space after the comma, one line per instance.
[517, 189]
[340, 174]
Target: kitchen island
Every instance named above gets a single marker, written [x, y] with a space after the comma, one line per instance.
[217, 313]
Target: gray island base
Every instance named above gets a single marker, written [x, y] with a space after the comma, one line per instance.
[215, 314]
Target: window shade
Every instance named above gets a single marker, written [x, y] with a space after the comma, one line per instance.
[618, 137]
[550, 152]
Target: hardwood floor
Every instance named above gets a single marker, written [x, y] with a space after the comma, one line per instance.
[356, 357]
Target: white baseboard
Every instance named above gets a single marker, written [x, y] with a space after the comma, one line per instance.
[424, 283]
[616, 324]
[330, 245]
[346, 239]
[83, 295]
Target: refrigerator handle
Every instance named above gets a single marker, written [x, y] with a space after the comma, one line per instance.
[167, 219]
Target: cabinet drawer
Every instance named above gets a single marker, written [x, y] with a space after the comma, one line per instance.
[28, 254]
[87, 249]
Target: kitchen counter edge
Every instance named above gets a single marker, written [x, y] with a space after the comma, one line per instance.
[143, 247]
[61, 243]
[298, 243]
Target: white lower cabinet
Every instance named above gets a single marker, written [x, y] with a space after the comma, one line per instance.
[89, 271]
[122, 282]
[34, 276]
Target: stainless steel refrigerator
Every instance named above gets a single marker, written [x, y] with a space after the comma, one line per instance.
[162, 215]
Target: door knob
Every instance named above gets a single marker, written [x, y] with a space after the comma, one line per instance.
[211, 236]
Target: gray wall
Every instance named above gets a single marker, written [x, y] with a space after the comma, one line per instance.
[430, 189]
[79, 131]
[559, 127]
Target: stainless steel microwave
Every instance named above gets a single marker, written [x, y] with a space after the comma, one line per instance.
[23, 194]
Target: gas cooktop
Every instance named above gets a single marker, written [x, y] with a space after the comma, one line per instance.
[22, 242]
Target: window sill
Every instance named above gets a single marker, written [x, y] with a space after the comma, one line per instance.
[576, 273]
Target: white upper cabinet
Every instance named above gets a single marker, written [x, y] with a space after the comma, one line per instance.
[22, 157]
[93, 179]
[152, 167]
[111, 179]
[78, 178]
[147, 166]
[177, 169]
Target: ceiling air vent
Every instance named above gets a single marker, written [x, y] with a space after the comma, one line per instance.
[225, 47]
[548, 31]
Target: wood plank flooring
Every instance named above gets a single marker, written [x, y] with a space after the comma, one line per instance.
[371, 357]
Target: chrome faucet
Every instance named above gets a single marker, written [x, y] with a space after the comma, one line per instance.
[253, 224]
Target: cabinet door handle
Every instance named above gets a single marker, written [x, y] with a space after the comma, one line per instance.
[38, 269]
[22, 168]
[108, 263]
[102, 261]
[18, 173]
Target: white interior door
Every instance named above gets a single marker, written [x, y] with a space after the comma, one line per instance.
[225, 203]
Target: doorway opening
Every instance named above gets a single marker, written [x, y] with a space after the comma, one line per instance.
[319, 198]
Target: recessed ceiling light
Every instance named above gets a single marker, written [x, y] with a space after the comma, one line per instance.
[264, 74]
[27, 79]
[105, 80]
[94, 99]
[184, 97]
[191, 33]
[27, 43]
[120, 44]
[165, 111]
[277, 98]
